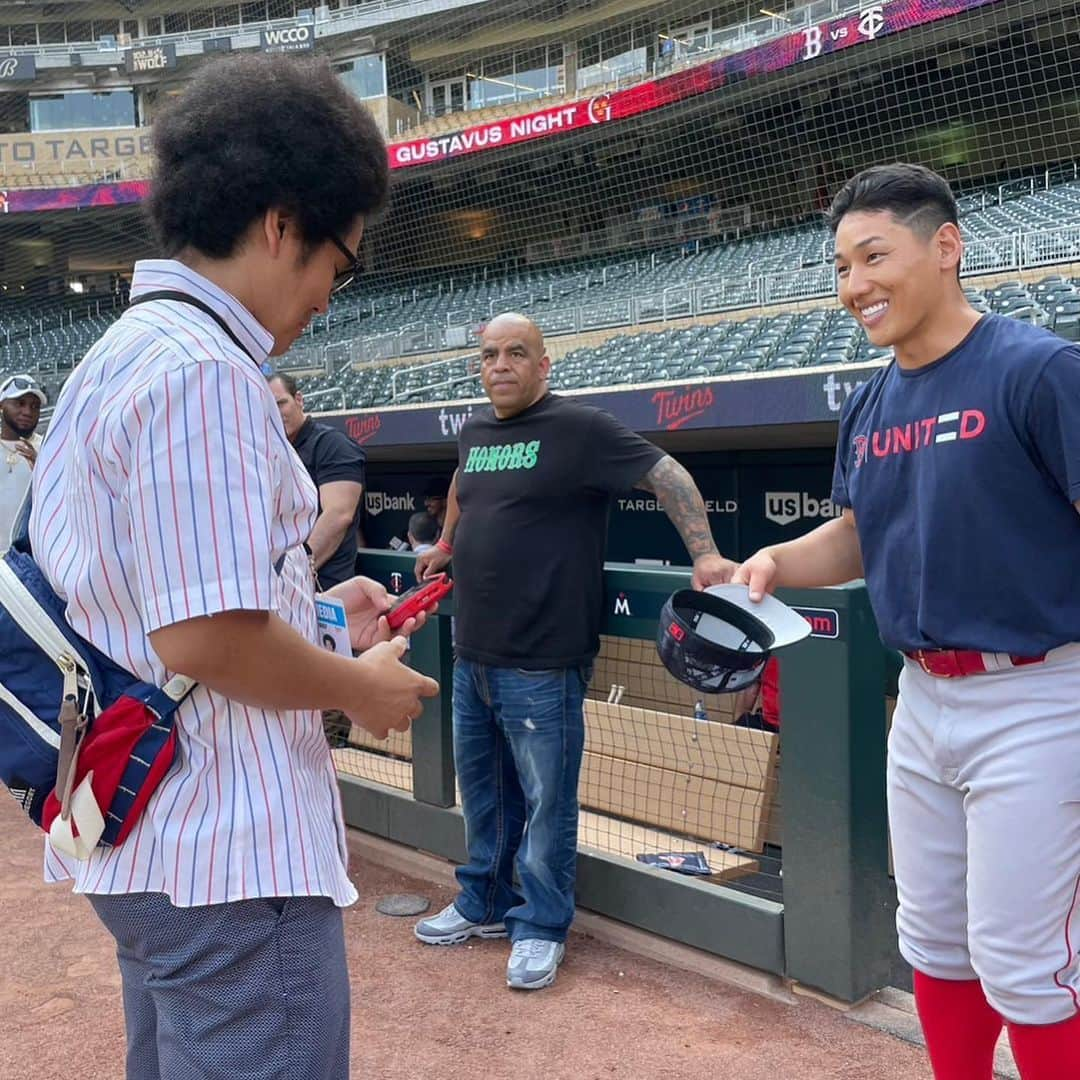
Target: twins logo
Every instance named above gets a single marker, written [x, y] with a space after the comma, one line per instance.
[872, 22]
[362, 428]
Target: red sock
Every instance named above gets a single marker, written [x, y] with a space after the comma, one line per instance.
[960, 1027]
[1047, 1051]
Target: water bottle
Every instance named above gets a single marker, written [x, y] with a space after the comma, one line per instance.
[700, 715]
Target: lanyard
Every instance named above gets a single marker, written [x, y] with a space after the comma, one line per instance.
[184, 298]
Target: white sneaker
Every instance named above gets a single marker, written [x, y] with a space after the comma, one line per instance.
[450, 927]
[534, 963]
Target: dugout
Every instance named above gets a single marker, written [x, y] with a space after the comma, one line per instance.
[799, 882]
[793, 827]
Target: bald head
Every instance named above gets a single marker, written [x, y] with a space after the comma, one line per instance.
[510, 322]
[513, 364]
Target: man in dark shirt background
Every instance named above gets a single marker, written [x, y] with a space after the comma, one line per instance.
[526, 520]
[336, 465]
[435, 494]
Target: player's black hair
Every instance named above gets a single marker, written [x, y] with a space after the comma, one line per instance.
[915, 196]
[258, 131]
[423, 527]
[286, 380]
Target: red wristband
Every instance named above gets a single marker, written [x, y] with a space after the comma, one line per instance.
[444, 547]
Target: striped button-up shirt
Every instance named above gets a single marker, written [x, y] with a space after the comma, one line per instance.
[167, 490]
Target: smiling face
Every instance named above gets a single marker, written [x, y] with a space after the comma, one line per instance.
[513, 364]
[895, 279]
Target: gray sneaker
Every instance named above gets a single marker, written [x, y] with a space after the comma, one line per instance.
[450, 927]
[534, 963]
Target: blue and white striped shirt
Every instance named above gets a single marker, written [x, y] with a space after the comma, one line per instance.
[167, 490]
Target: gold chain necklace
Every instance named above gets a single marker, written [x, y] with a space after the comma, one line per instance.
[11, 455]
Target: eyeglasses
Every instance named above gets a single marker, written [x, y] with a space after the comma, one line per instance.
[346, 277]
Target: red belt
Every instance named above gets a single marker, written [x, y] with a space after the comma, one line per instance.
[952, 663]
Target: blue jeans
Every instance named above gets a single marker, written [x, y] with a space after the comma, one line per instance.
[518, 740]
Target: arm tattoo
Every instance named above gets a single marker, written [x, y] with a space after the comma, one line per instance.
[677, 493]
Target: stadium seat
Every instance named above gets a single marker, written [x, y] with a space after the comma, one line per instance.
[1065, 319]
[424, 313]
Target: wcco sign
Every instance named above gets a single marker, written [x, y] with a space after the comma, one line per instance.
[289, 39]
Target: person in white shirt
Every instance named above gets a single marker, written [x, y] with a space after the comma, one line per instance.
[21, 399]
[170, 514]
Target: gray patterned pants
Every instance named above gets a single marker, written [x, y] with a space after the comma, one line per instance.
[249, 990]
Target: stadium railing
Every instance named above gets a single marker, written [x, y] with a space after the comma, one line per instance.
[1006, 231]
[333, 397]
[825, 921]
[1019, 251]
[363, 15]
[439, 368]
[369, 14]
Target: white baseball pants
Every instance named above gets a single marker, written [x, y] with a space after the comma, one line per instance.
[984, 808]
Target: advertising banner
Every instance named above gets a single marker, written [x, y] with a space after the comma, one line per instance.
[639, 528]
[752, 499]
[809, 396]
[289, 39]
[800, 46]
[148, 59]
[21, 68]
[25, 200]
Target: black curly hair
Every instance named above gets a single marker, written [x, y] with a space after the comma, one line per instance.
[257, 131]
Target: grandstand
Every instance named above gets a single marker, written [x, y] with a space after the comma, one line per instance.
[1008, 228]
[683, 242]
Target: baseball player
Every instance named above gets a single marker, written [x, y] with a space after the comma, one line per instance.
[958, 468]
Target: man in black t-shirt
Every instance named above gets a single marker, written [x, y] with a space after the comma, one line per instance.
[526, 521]
[336, 465]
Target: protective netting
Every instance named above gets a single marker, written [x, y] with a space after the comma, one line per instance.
[609, 169]
[645, 180]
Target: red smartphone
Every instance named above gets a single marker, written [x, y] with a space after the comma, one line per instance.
[421, 597]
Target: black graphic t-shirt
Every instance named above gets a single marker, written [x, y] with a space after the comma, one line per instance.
[534, 493]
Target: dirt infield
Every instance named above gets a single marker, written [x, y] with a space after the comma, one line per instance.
[423, 1013]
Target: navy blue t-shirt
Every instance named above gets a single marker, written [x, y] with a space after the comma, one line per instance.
[962, 477]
